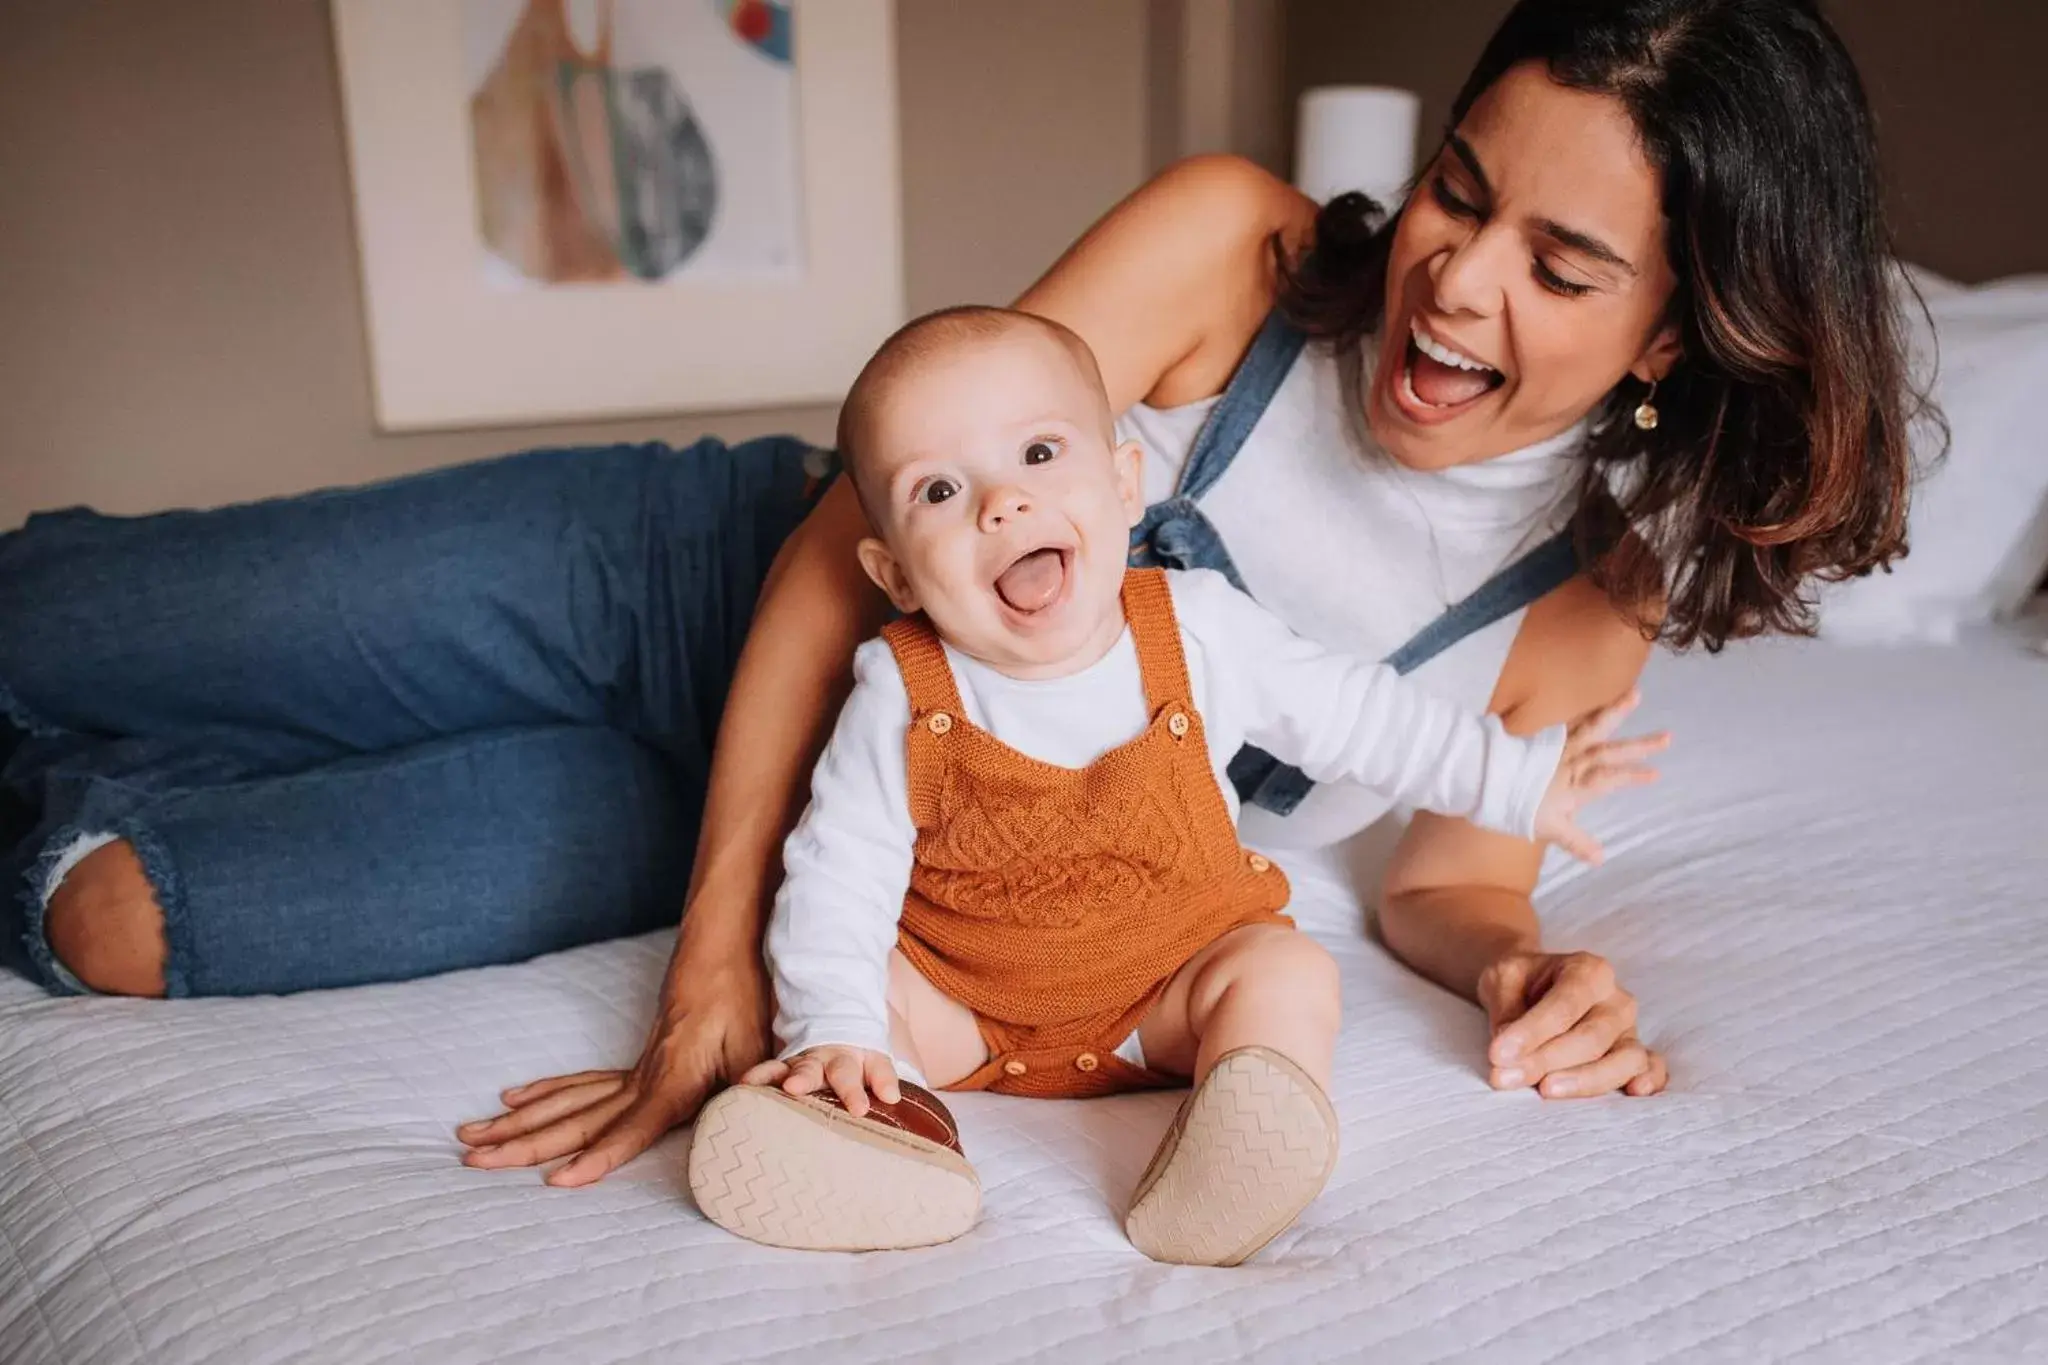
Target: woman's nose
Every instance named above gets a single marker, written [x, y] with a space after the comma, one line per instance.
[1467, 277]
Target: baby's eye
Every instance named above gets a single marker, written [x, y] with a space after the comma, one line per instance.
[1039, 452]
[936, 490]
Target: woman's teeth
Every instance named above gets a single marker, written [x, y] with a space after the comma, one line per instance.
[1439, 377]
[1444, 355]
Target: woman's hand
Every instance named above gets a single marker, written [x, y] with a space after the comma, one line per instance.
[1563, 1024]
[712, 1026]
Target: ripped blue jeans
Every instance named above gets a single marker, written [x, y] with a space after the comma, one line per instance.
[371, 734]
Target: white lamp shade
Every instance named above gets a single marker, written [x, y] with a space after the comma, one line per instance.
[1356, 137]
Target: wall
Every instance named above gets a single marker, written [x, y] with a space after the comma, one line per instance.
[1216, 67]
[1957, 88]
[178, 277]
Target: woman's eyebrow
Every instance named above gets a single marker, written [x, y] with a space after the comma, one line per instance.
[1464, 152]
[1584, 243]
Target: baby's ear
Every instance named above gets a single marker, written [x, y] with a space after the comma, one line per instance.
[1130, 480]
[887, 573]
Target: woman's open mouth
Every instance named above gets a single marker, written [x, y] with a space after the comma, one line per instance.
[1035, 580]
[1437, 382]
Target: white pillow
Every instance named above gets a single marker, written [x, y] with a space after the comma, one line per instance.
[1979, 521]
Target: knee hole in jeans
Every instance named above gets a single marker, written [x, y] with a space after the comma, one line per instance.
[103, 923]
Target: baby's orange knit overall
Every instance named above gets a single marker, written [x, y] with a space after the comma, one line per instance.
[1056, 903]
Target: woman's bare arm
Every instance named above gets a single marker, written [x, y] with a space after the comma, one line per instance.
[1456, 903]
[1170, 286]
[791, 678]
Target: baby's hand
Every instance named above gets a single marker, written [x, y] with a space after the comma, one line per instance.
[850, 1073]
[1593, 766]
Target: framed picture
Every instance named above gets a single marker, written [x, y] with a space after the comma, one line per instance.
[600, 208]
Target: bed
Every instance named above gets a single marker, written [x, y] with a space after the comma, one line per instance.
[1832, 909]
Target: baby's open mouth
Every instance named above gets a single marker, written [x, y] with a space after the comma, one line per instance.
[1034, 581]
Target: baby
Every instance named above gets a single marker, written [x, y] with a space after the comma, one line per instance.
[1020, 870]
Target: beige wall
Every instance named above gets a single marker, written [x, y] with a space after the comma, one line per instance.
[179, 317]
[1215, 74]
[1957, 86]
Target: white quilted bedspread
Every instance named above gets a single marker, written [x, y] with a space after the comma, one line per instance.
[1833, 910]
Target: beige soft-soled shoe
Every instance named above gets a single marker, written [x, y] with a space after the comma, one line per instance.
[1248, 1151]
[801, 1172]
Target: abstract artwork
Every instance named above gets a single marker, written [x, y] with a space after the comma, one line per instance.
[633, 139]
[583, 208]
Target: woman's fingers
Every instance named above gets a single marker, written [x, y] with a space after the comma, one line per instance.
[656, 1106]
[1578, 1037]
[1582, 981]
[541, 1089]
[637, 1127]
[568, 1134]
[1593, 1037]
[1504, 988]
[603, 1119]
[1619, 1069]
[1651, 1080]
[539, 1112]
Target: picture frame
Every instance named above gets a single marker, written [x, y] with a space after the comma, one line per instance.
[472, 322]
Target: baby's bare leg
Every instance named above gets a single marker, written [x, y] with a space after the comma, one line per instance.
[1264, 985]
[928, 1028]
[1252, 1019]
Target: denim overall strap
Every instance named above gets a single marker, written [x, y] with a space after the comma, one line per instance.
[1174, 533]
[1264, 780]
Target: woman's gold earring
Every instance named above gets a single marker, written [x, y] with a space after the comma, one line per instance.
[1646, 411]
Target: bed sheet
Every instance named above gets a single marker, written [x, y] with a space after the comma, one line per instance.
[1832, 910]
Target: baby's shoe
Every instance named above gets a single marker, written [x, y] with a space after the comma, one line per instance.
[1248, 1151]
[799, 1171]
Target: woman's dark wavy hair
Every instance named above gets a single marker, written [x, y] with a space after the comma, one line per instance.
[1782, 453]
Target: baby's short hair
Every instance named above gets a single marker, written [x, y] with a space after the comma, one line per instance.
[934, 334]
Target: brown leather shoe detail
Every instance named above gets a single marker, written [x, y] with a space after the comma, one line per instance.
[919, 1113]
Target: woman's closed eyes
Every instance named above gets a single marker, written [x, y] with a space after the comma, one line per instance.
[1456, 205]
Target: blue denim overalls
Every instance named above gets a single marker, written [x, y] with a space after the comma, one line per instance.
[1175, 535]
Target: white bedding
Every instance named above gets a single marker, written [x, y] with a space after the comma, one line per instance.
[1832, 910]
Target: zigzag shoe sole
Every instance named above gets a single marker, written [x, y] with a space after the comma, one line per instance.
[1248, 1151]
[800, 1172]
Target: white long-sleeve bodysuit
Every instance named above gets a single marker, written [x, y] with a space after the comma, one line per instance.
[1337, 718]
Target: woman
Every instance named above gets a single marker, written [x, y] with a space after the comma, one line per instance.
[1625, 367]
